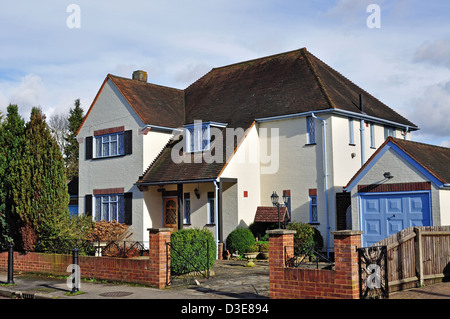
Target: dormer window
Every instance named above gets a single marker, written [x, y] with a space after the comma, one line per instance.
[198, 136]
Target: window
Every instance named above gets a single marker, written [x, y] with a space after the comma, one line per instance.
[351, 132]
[389, 131]
[310, 130]
[197, 137]
[109, 145]
[211, 208]
[187, 209]
[313, 209]
[110, 207]
[372, 135]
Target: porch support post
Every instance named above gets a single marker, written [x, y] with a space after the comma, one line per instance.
[180, 204]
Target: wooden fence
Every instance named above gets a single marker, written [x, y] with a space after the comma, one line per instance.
[417, 256]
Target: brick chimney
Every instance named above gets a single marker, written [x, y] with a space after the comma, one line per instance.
[140, 75]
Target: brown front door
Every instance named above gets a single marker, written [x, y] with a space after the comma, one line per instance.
[170, 212]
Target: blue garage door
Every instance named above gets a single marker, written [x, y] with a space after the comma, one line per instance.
[383, 215]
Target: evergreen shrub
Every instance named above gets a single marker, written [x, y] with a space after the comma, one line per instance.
[188, 250]
[241, 240]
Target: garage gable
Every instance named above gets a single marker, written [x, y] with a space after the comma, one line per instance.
[396, 146]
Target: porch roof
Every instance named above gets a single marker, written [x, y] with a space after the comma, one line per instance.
[269, 214]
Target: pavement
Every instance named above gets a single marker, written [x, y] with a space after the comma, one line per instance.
[229, 280]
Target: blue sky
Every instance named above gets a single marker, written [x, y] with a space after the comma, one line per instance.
[405, 63]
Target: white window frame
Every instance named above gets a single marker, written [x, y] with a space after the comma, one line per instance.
[106, 142]
[372, 135]
[313, 209]
[211, 211]
[310, 130]
[109, 201]
[351, 132]
[198, 137]
[187, 211]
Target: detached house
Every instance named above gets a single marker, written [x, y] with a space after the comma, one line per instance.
[211, 155]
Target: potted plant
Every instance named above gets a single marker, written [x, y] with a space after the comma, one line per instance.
[264, 251]
[252, 252]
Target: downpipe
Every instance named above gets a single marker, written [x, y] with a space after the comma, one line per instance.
[216, 215]
[325, 168]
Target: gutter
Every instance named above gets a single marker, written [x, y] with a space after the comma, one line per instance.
[338, 112]
[176, 182]
[162, 128]
[325, 168]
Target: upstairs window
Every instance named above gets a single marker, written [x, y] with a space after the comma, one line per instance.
[198, 137]
[372, 135]
[351, 132]
[109, 145]
[389, 131]
[109, 142]
[310, 130]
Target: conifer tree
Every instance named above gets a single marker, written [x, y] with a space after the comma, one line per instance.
[43, 204]
[11, 148]
[71, 148]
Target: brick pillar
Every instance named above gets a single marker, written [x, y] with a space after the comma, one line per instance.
[278, 240]
[346, 262]
[159, 260]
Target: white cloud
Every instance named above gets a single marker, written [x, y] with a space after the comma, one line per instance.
[30, 92]
[432, 110]
[436, 52]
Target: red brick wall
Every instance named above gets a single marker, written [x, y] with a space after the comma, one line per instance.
[297, 283]
[151, 271]
[103, 268]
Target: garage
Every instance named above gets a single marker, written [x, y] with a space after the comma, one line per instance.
[403, 184]
[383, 215]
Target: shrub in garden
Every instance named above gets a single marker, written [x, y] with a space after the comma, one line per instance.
[303, 238]
[240, 240]
[188, 250]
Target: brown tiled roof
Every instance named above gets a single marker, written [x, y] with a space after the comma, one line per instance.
[269, 214]
[282, 84]
[155, 104]
[435, 159]
[287, 83]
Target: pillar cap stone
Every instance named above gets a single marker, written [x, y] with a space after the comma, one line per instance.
[158, 230]
[281, 232]
[347, 232]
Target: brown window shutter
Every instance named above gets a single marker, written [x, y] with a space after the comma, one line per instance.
[88, 205]
[128, 197]
[128, 139]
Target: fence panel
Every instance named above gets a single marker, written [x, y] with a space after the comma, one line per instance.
[416, 254]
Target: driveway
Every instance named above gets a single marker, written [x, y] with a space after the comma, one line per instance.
[232, 279]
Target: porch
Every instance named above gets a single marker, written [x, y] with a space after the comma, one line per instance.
[207, 203]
